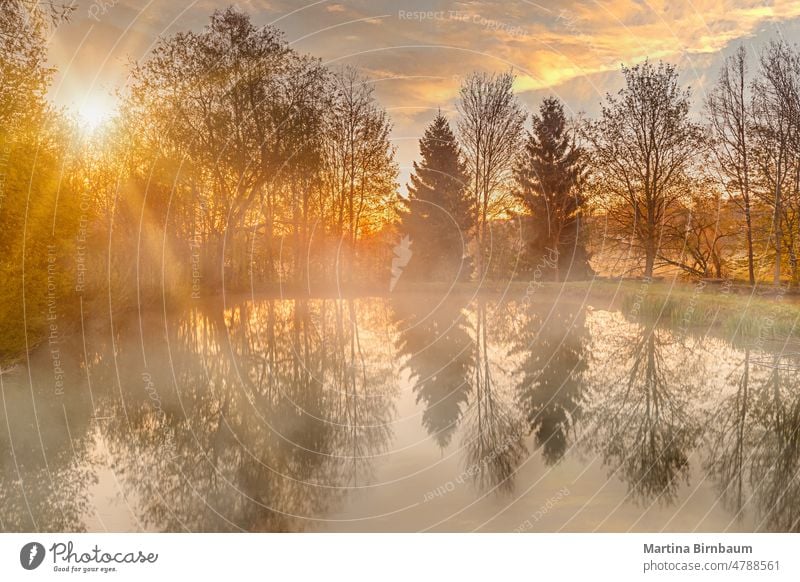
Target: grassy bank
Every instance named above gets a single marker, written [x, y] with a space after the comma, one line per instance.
[735, 310]
[765, 314]
[740, 311]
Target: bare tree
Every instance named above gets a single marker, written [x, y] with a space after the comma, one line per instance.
[359, 161]
[490, 129]
[643, 148]
[730, 117]
[697, 240]
[776, 109]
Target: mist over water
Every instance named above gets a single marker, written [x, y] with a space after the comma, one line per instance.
[401, 413]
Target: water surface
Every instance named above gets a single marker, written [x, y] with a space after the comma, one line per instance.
[399, 414]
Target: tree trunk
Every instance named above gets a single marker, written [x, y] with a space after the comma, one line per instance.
[777, 221]
[750, 262]
[650, 258]
[742, 128]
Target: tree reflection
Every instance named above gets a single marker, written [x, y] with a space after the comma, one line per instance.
[46, 439]
[775, 472]
[458, 376]
[439, 356]
[755, 452]
[644, 422]
[264, 414]
[729, 437]
[493, 436]
[552, 341]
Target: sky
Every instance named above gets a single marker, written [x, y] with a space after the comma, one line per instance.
[417, 51]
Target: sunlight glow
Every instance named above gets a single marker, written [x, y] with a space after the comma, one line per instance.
[93, 113]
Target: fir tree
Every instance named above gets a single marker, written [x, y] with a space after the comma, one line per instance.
[439, 213]
[549, 177]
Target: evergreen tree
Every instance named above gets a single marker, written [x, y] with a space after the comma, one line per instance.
[549, 177]
[439, 213]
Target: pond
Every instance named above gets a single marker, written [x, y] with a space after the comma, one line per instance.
[406, 413]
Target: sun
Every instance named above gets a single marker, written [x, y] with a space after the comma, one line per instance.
[94, 112]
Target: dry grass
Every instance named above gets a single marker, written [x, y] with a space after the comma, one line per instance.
[737, 311]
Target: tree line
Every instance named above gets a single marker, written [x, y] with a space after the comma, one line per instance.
[644, 188]
[236, 162]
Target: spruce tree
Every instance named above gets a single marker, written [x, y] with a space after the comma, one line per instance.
[439, 215]
[549, 176]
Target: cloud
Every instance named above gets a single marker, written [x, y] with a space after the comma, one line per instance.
[572, 48]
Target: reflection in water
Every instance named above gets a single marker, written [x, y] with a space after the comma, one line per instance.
[274, 415]
[271, 420]
[552, 342]
[644, 416]
[776, 456]
[755, 444]
[728, 436]
[492, 441]
[438, 354]
[45, 442]
[447, 356]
